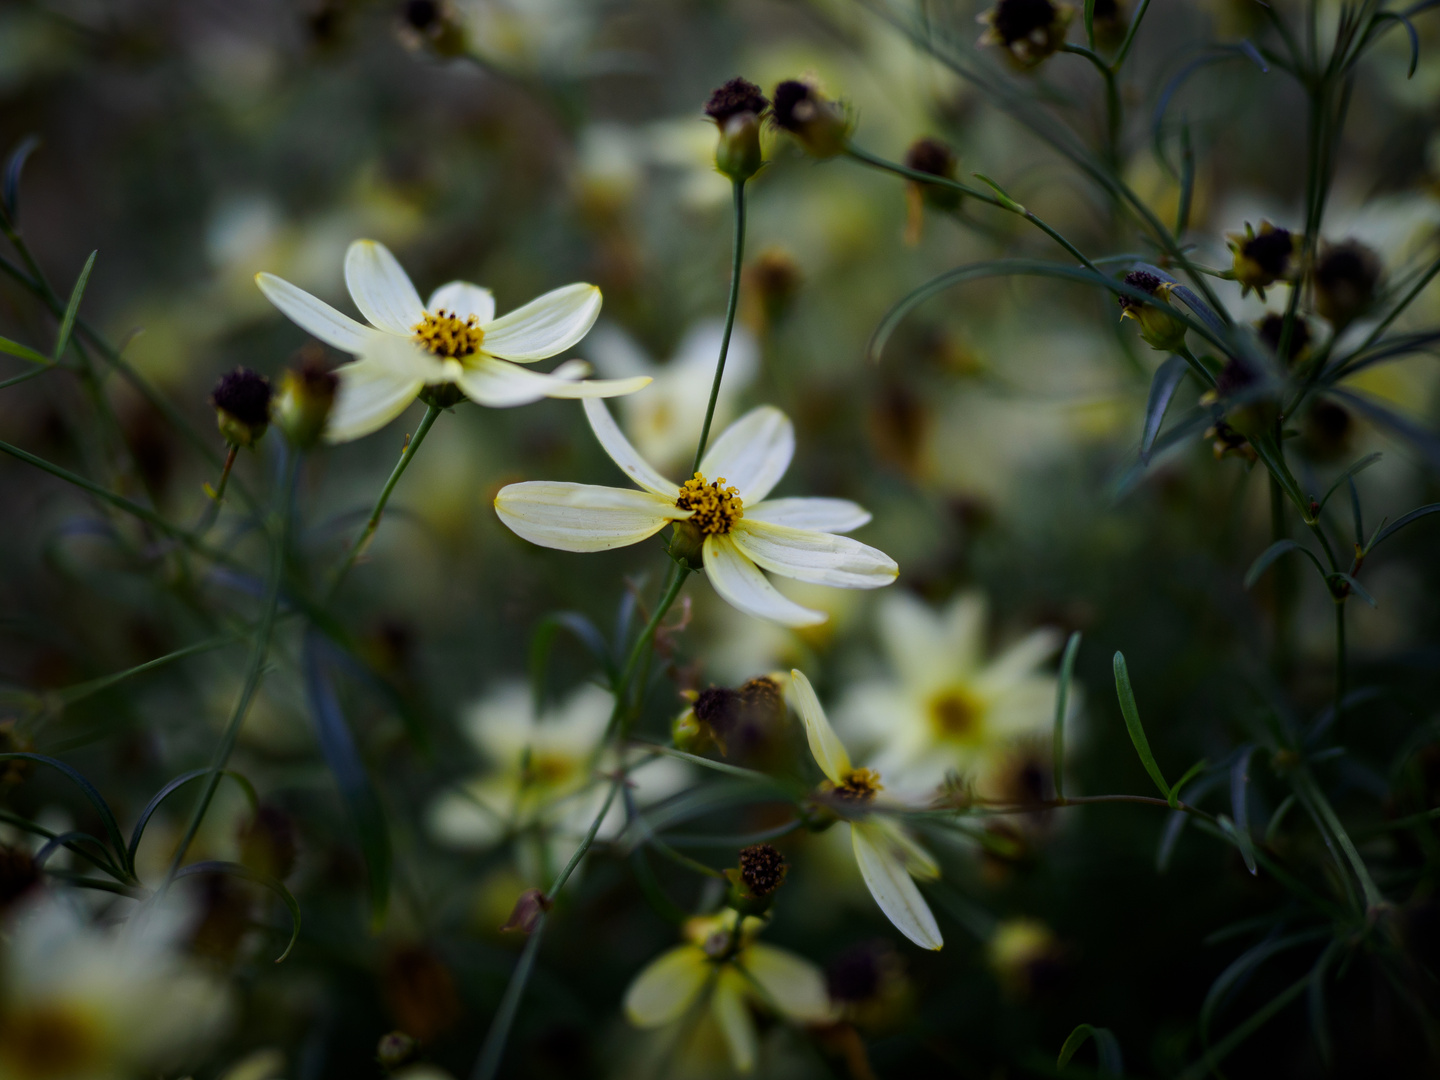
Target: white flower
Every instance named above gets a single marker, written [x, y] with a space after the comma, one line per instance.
[663, 421]
[84, 1003]
[743, 532]
[454, 339]
[951, 710]
[540, 773]
[731, 973]
[888, 856]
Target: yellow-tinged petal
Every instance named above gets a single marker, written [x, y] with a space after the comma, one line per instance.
[727, 1005]
[463, 299]
[752, 453]
[613, 440]
[741, 585]
[666, 988]
[313, 315]
[582, 517]
[918, 862]
[791, 983]
[368, 398]
[891, 886]
[914, 638]
[501, 384]
[830, 753]
[403, 357]
[381, 289]
[545, 326]
[817, 557]
[820, 515]
[1020, 659]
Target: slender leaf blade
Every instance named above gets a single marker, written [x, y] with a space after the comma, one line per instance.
[1167, 379]
[1131, 712]
[72, 309]
[1062, 705]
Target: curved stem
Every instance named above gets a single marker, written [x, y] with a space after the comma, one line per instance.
[737, 254]
[406, 455]
[1112, 98]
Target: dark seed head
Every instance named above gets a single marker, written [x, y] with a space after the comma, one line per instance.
[421, 14]
[1016, 20]
[1235, 376]
[1142, 280]
[718, 706]
[794, 105]
[736, 96]
[1345, 281]
[1272, 327]
[855, 975]
[930, 156]
[245, 395]
[1271, 251]
[762, 868]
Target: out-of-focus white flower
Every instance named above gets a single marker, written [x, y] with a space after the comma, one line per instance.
[542, 772]
[950, 709]
[889, 858]
[79, 1002]
[792, 537]
[664, 422]
[453, 340]
[722, 962]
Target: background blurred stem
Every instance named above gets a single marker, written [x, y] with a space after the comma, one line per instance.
[1285, 591]
[737, 255]
[412, 444]
[1112, 100]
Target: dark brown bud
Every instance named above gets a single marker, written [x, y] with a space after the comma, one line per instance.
[1028, 30]
[818, 124]
[420, 15]
[735, 97]
[1272, 328]
[1346, 279]
[762, 869]
[527, 912]
[242, 406]
[935, 158]
[1016, 20]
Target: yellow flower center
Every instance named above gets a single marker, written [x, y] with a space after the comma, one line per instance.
[956, 713]
[716, 507]
[445, 334]
[860, 786]
[549, 770]
[48, 1040]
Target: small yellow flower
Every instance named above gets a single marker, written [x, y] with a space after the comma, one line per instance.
[887, 855]
[453, 344]
[1263, 258]
[723, 968]
[1028, 30]
[725, 522]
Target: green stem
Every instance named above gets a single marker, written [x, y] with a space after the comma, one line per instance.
[406, 455]
[1340, 659]
[1284, 583]
[1310, 793]
[1112, 100]
[1201, 371]
[674, 582]
[1124, 49]
[737, 254]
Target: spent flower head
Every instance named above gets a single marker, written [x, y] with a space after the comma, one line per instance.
[818, 124]
[1028, 30]
[1265, 257]
[724, 523]
[451, 345]
[1346, 277]
[242, 406]
[1158, 328]
[736, 109]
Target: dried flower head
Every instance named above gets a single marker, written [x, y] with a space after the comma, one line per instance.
[819, 125]
[1028, 30]
[736, 109]
[1265, 257]
[1158, 328]
[1272, 329]
[935, 158]
[735, 97]
[1346, 279]
[762, 869]
[242, 406]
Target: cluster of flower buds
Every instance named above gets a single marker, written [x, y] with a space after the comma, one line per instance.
[246, 404]
[433, 25]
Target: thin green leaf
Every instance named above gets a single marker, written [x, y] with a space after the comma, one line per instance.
[1315, 999]
[14, 166]
[1188, 775]
[67, 321]
[1252, 1024]
[1005, 199]
[1354, 470]
[174, 785]
[1427, 442]
[1240, 807]
[112, 827]
[24, 352]
[1396, 526]
[359, 794]
[1355, 511]
[1168, 377]
[1107, 1049]
[1356, 588]
[583, 630]
[1273, 552]
[1409, 29]
[1242, 966]
[69, 695]
[1131, 712]
[274, 884]
[80, 881]
[1090, 24]
[1187, 181]
[1062, 705]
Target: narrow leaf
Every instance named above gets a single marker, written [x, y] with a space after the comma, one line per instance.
[174, 785]
[1273, 552]
[1358, 589]
[112, 827]
[1427, 442]
[1167, 379]
[1107, 1048]
[1240, 807]
[1189, 774]
[14, 166]
[24, 352]
[578, 626]
[1355, 511]
[1131, 712]
[274, 884]
[1396, 526]
[1090, 24]
[1354, 470]
[67, 323]
[1062, 705]
[341, 755]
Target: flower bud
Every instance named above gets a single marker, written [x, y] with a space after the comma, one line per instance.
[1026, 956]
[1263, 258]
[759, 876]
[687, 544]
[1251, 409]
[935, 158]
[1028, 30]
[736, 109]
[1346, 279]
[242, 406]
[819, 125]
[1272, 328]
[303, 403]
[527, 912]
[868, 986]
[1158, 328]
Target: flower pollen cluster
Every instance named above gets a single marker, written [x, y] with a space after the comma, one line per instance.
[445, 334]
[762, 869]
[716, 507]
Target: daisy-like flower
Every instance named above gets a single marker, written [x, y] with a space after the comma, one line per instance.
[81, 1003]
[889, 858]
[1265, 257]
[452, 344]
[662, 422]
[538, 777]
[724, 963]
[951, 709]
[727, 521]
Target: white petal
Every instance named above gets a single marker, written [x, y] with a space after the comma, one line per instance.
[700, 349]
[752, 453]
[821, 515]
[964, 622]
[368, 398]
[463, 300]
[817, 557]
[314, 315]
[581, 517]
[475, 819]
[889, 883]
[616, 354]
[727, 1005]
[918, 862]
[545, 326]
[830, 753]
[403, 357]
[380, 288]
[501, 384]
[625, 455]
[1020, 659]
[741, 585]
[793, 984]
[914, 638]
[665, 989]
